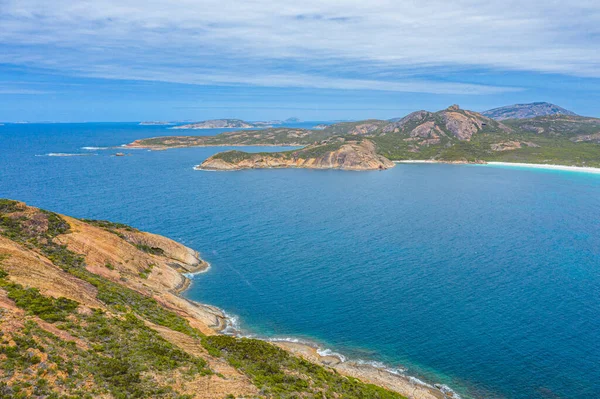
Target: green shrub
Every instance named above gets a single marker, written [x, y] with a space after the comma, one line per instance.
[150, 250]
[46, 308]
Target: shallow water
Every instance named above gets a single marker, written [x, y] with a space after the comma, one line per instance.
[486, 279]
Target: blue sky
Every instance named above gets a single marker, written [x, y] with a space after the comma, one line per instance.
[129, 60]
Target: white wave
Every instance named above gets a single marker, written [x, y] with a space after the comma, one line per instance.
[232, 327]
[381, 366]
[191, 276]
[417, 381]
[329, 352]
[61, 154]
[287, 339]
[446, 390]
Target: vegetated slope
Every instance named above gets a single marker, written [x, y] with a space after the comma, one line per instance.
[272, 136]
[525, 111]
[89, 309]
[566, 126]
[333, 154]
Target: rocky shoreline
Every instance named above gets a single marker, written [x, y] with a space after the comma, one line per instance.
[370, 372]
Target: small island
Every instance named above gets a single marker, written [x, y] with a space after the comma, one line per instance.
[156, 123]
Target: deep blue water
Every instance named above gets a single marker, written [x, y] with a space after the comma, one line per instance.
[486, 279]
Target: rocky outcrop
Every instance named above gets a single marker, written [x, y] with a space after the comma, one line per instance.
[414, 118]
[512, 145]
[592, 138]
[347, 155]
[452, 122]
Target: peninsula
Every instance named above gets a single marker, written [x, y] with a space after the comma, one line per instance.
[333, 154]
[90, 308]
[450, 135]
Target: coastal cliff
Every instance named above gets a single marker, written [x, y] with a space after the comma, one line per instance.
[90, 308]
[347, 155]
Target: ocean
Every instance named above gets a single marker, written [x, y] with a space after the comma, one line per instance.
[486, 279]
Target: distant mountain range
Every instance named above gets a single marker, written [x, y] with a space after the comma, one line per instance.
[524, 111]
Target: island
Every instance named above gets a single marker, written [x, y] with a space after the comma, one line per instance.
[227, 124]
[156, 123]
[91, 308]
[452, 135]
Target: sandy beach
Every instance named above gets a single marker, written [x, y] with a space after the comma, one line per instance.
[579, 169]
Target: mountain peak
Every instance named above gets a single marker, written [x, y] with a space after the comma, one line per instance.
[526, 111]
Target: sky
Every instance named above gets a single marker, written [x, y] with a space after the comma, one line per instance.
[133, 60]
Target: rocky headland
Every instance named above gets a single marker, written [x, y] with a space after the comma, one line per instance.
[91, 307]
[346, 155]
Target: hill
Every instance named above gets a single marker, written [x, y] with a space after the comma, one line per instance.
[332, 154]
[449, 135]
[525, 111]
[90, 309]
[571, 126]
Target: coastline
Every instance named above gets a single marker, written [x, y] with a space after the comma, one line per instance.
[371, 372]
[435, 161]
[566, 168]
[163, 148]
[522, 165]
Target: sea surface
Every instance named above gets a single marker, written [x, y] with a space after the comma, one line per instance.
[482, 278]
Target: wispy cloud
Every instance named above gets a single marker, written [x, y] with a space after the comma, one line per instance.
[13, 91]
[346, 44]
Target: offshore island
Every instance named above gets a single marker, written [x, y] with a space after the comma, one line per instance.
[91, 309]
[536, 133]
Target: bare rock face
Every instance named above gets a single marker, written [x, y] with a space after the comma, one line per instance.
[351, 155]
[412, 118]
[364, 128]
[426, 130]
[462, 126]
[592, 138]
[451, 122]
[512, 145]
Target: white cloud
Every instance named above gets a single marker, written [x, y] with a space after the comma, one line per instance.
[349, 44]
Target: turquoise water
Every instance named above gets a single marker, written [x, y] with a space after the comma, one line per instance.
[486, 279]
